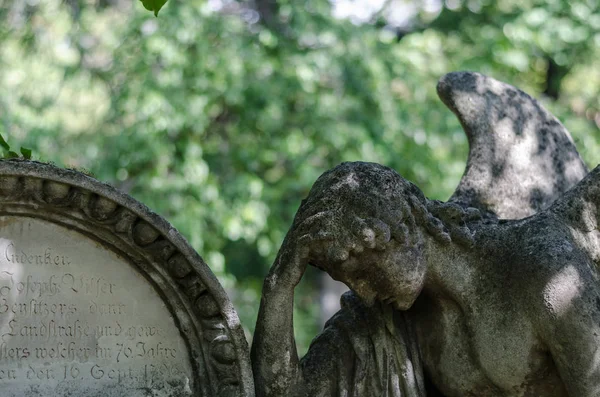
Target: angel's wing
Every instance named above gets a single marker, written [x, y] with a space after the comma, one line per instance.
[580, 209]
[521, 158]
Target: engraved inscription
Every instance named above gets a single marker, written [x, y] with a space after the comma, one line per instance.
[47, 257]
[75, 317]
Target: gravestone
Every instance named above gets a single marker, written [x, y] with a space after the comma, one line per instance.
[99, 296]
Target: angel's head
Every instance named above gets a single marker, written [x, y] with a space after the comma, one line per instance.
[378, 224]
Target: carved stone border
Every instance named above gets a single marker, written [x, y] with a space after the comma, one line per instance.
[203, 313]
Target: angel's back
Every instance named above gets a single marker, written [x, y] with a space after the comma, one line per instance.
[526, 321]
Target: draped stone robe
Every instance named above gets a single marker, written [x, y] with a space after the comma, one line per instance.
[364, 351]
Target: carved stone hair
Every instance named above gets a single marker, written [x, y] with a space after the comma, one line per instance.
[371, 190]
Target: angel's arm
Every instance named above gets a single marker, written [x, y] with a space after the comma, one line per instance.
[571, 329]
[274, 358]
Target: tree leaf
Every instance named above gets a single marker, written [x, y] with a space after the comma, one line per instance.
[11, 155]
[153, 5]
[26, 153]
[3, 143]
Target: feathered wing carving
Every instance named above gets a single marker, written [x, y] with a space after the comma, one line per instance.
[579, 208]
[521, 158]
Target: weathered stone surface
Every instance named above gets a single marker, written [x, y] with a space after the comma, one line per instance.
[521, 158]
[101, 297]
[447, 299]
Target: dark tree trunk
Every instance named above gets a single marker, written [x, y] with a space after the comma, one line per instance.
[554, 76]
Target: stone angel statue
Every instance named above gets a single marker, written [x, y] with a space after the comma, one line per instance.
[493, 293]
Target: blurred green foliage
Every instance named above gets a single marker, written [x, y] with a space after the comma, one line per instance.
[219, 115]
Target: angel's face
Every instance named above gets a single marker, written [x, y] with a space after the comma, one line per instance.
[394, 276]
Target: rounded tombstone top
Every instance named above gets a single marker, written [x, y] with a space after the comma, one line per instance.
[100, 296]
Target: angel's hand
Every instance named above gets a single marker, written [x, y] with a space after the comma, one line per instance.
[333, 237]
[304, 242]
[328, 239]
